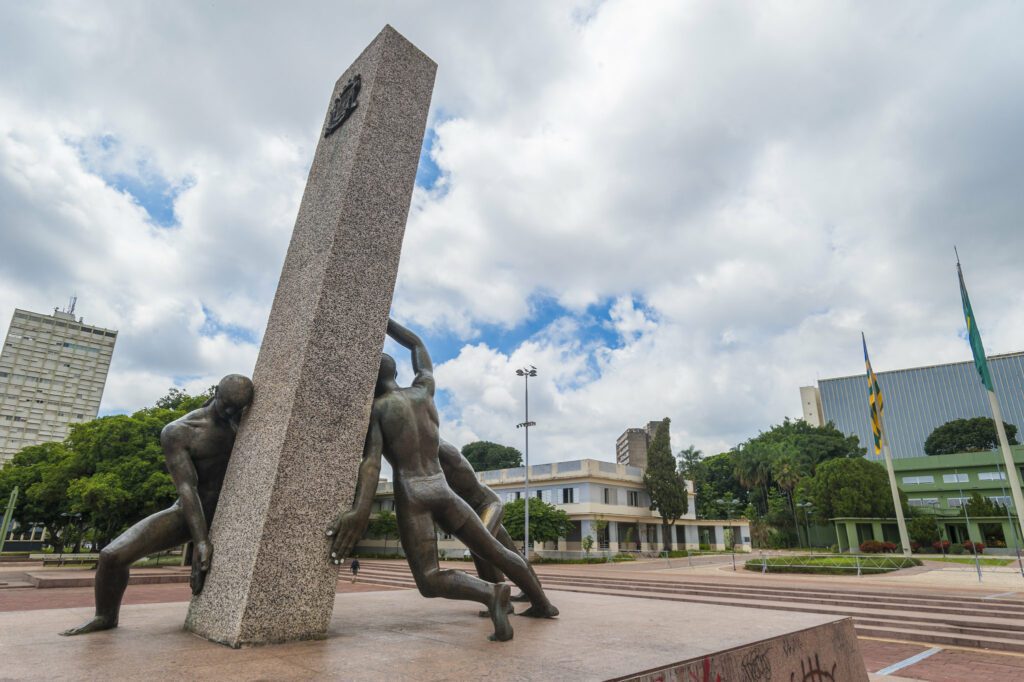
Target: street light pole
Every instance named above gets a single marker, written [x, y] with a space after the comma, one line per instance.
[526, 373]
[807, 520]
[729, 504]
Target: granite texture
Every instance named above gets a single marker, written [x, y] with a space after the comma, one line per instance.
[402, 636]
[294, 464]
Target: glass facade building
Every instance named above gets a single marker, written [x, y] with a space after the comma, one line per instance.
[918, 400]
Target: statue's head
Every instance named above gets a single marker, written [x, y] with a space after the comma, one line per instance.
[233, 394]
[386, 375]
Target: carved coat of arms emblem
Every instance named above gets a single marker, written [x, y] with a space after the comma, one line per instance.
[344, 104]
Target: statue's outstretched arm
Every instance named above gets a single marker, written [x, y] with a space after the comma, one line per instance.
[350, 525]
[421, 363]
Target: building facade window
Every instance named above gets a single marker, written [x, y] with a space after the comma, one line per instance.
[922, 501]
[633, 498]
[955, 478]
[918, 480]
[991, 475]
[1004, 500]
[568, 495]
[956, 502]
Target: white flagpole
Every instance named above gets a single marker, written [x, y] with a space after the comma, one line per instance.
[1011, 469]
[900, 521]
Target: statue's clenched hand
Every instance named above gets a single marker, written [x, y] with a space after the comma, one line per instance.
[345, 531]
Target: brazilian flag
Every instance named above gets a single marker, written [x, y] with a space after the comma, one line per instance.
[973, 334]
[874, 399]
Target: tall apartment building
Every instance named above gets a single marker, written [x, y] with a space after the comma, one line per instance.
[631, 446]
[53, 369]
[917, 400]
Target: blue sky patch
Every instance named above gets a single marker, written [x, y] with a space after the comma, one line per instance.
[213, 326]
[136, 176]
[427, 172]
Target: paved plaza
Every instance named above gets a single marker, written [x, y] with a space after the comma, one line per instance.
[58, 606]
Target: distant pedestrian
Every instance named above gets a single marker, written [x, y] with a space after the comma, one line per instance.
[355, 569]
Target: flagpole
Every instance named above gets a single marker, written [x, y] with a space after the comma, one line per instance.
[1011, 469]
[900, 521]
[981, 363]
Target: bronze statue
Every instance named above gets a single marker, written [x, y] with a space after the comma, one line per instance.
[463, 481]
[403, 427]
[197, 448]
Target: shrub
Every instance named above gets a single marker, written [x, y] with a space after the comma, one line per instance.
[915, 546]
[956, 549]
[872, 547]
[941, 546]
[973, 547]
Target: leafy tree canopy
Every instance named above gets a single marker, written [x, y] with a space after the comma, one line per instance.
[849, 487]
[665, 484]
[786, 454]
[967, 435]
[714, 479]
[923, 529]
[485, 456]
[982, 506]
[689, 462]
[547, 522]
[176, 399]
[109, 470]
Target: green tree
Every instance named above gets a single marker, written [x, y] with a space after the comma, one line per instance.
[547, 522]
[849, 487]
[665, 484]
[384, 525]
[715, 480]
[981, 506]
[42, 472]
[110, 470]
[180, 401]
[923, 529]
[689, 463]
[967, 435]
[486, 456]
[588, 544]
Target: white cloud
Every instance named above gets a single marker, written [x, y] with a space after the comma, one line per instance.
[744, 187]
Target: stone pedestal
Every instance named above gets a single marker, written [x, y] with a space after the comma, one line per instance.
[294, 464]
[402, 636]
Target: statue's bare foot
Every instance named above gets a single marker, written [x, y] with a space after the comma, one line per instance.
[541, 611]
[95, 625]
[520, 597]
[499, 613]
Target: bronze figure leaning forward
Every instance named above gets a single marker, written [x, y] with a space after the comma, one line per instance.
[404, 429]
[197, 448]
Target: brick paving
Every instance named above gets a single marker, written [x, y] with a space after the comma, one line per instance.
[962, 665]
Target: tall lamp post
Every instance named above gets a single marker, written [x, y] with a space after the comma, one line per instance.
[729, 506]
[806, 506]
[526, 373]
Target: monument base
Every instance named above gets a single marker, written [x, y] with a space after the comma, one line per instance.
[401, 635]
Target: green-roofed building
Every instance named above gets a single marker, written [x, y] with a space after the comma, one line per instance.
[942, 485]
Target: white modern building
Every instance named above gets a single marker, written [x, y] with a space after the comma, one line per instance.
[605, 500]
[53, 369]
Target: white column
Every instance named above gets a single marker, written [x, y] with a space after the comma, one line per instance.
[691, 537]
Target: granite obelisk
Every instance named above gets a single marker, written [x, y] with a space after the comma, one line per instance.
[294, 463]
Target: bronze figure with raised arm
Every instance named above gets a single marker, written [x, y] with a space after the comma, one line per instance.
[404, 429]
[197, 448]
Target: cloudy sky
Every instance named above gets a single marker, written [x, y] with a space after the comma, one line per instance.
[680, 209]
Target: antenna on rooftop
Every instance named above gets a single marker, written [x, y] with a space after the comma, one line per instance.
[70, 310]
